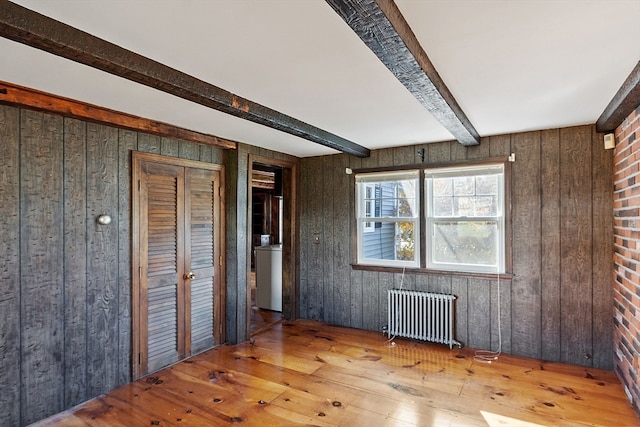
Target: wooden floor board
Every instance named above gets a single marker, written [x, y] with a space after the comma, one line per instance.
[310, 373]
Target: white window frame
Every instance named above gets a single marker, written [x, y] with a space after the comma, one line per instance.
[369, 202]
[430, 220]
[366, 225]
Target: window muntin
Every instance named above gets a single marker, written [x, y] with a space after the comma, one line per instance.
[369, 207]
[391, 200]
[465, 218]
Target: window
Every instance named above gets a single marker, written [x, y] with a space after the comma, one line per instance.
[388, 218]
[463, 218]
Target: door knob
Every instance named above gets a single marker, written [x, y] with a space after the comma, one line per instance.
[190, 276]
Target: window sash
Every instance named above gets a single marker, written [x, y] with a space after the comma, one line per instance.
[401, 234]
[393, 247]
[498, 219]
[495, 252]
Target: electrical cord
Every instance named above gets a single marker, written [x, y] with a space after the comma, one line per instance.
[488, 356]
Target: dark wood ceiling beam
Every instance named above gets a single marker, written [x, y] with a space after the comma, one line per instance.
[623, 103]
[384, 30]
[31, 28]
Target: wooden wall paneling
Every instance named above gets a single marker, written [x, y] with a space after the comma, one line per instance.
[459, 288]
[315, 302]
[355, 312]
[526, 245]
[75, 261]
[206, 154]
[371, 301]
[188, 150]
[366, 162]
[404, 280]
[576, 245]
[422, 282]
[439, 152]
[405, 155]
[356, 308]
[217, 155]
[441, 284]
[232, 213]
[148, 143]
[237, 184]
[235, 271]
[480, 151]
[290, 228]
[169, 147]
[602, 167]
[479, 315]
[501, 305]
[10, 273]
[127, 142]
[499, 145]
[304, 239]
[209, 154]
[386, 282]
[341, 242]
[550, 236]
[102, 259]
[385, 157]
[41, 267]
[327, 237]
[458, 151]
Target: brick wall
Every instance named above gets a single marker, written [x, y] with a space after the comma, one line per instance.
[626, 291]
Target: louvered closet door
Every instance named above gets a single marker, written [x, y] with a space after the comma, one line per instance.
[162, 287]
[200, 210]
[177, 246]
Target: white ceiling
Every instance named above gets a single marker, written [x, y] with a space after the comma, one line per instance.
[512, 65]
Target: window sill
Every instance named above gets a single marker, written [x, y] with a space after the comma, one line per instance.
[489, 276]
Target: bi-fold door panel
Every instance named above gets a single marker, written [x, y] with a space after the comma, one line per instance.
[178, 216]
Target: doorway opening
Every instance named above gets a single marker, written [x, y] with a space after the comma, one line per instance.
[271, 289]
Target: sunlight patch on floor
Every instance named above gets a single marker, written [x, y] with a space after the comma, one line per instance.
[496, 420]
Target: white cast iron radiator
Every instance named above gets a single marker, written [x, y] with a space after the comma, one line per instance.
[421, 315]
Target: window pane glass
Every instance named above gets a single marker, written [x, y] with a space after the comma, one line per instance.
[443, 187]
[390, 241]
[390, 199]
[405, 241]
[405, 199]
[472, 242]
[443, 206]
[486, 206]
[464, 186]
[487, 185]
[464, 206]
[466, 196]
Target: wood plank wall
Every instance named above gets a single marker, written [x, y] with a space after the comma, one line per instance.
[558, 306]
[65, 282]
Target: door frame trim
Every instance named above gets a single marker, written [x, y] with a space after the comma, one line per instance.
[289, 250]
[137, 158]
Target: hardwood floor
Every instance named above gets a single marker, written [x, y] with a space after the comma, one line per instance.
[260, 318]
[309, 373]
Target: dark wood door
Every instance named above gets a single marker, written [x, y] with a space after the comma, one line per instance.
[178, 243]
